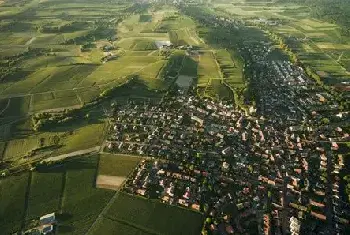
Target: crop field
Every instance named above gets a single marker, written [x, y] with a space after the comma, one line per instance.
[54, 100]
[88, 95]
[12, 202]
[145, 215]
[117, 165]
[118, 69]
[207, 68]
[319, 44]
[82, 202]
[113, 170]
[231, 71]
[17, 148]
[66, 186]
[44, 194]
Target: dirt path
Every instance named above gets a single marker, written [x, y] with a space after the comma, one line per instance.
[72, 154]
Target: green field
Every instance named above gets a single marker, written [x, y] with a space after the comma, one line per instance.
[148, 217]
[17, 148]
[117, 165]
[231, 71]
[82, 202]
[317, 43]
[207, 68]
[12, 203]
[18, 106]
[44, 194]
[83, 138]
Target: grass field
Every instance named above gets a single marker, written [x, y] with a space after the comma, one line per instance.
[148, 217]
[12, 201]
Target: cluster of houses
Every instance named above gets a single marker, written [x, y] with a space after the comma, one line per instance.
[277, 171]
[209, 156]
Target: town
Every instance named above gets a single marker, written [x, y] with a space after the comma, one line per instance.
[272, 170]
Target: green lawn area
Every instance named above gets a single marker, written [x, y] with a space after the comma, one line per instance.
[82, 202]
[149, 217]
[12, 200]
[117, 165]
[45, 192]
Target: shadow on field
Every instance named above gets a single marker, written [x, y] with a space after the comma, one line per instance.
[61, 217]
[65, 228]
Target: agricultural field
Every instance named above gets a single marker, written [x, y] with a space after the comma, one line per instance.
[207, 68]
[81, 202]
[12, 203]
[114, 169]
[232, 72]
[44, 194]
[66, 188]
[117, 165]
[83, 137]
[144, 216]
[18, 148]
[317, 43]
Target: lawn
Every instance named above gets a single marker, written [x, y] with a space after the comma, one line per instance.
[82, 202]
[44, 194]
[117, 165]
[12, 201]
[152, 217]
